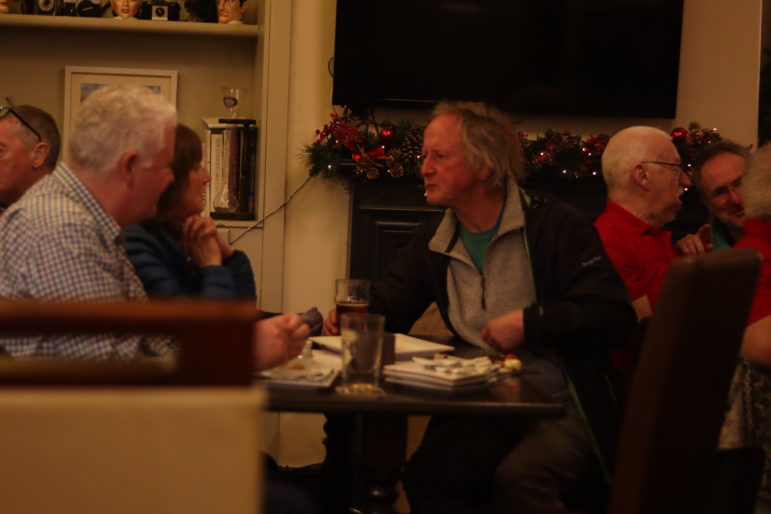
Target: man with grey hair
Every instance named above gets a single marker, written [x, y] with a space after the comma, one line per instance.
[510, 272]
[643, 172]
[29, 149]
[61, 241]
[717, 175]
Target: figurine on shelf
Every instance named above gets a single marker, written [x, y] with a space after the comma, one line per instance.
[230, 11]
[126, 9]
[46, 7]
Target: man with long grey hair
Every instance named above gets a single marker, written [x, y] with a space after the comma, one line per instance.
[510, 272]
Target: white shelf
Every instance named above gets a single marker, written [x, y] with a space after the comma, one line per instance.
[133, 25]
[238, 224]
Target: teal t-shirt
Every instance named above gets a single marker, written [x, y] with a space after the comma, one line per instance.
[476, 242]
[722, 239]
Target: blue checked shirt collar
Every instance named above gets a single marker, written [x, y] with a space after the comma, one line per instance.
[106, 223]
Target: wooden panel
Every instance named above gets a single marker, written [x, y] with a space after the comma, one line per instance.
[215, 340]
[384, 219]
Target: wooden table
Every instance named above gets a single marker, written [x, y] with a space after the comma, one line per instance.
[384, 421]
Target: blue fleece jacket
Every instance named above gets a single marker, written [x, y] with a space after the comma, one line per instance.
[166, 270]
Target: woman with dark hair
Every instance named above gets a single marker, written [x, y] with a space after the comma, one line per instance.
[179, 252]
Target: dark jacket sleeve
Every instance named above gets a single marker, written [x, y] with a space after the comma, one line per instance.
[153, 262]
[163, 268]
[582, 302]
[239, 267]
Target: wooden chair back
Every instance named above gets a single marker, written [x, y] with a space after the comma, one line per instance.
[676, 405]
[214, 337]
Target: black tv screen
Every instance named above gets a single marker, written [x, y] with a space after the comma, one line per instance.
[565, 57]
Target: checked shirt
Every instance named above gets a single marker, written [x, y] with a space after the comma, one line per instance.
[58, 244]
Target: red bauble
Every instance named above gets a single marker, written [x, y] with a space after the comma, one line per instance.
[387, 135]
[679, 133]
[542, 159]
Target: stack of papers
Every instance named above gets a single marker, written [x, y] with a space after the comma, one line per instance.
[405, 346]
[448, 375]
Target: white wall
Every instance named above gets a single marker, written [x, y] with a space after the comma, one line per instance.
[720, 66]
[317, 219]
[316, 235]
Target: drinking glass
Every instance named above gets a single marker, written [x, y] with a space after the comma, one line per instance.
[362, 337]
[351, 295]
[234, 100]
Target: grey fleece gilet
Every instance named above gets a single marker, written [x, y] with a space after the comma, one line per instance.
[506, 284]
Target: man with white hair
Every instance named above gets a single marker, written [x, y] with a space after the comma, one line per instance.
[645, 179]
[61, 241]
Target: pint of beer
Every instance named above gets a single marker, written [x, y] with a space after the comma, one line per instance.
[351, 295]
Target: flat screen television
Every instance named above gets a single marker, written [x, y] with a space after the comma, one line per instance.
[564, 57]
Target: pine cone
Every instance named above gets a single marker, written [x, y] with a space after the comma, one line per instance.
[396, 170]
[395, 155]
[365, 166]
[412, 145]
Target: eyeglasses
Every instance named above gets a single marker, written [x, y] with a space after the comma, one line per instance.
[6, 108]
[675, 167]
[722, 194]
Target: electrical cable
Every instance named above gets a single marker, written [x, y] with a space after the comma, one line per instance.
[261, 221]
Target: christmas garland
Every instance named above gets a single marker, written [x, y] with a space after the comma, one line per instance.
[377, 151]
[350, 148]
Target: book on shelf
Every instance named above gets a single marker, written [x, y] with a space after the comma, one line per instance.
[231, 147]
[214, 143]
[248, 159]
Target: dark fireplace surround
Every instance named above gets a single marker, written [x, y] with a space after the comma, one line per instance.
[384, 216]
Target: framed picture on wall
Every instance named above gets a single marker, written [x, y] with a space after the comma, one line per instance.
[81, 81]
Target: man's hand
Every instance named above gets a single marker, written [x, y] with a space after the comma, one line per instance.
[694, 244]
[642, 307]
[505, 332]
[756, 345]
[278, 339]
[331, 324]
